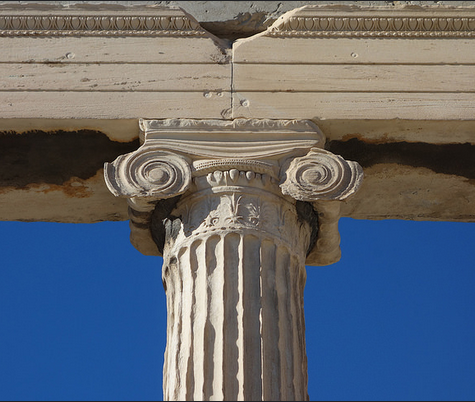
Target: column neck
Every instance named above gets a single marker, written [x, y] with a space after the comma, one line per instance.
[249, 203]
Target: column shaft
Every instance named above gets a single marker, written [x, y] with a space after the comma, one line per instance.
[236, 324]
[234, 297]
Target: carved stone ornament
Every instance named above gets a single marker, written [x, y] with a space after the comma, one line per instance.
[355, 22]
[320, 175]
[149, 172]
[237, 209]
[98, 21]
[177, 153]
[308, 21]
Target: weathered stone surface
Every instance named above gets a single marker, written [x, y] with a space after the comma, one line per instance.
[239, 18]
[95, 63]
[234, 273]
[285, 152]
[248, 204]
[328, 62]
[236, 199]
[74, 201]
[402, 181]
[406, 100]
[57, 176]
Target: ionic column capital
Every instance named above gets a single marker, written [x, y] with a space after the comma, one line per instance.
[176, 153]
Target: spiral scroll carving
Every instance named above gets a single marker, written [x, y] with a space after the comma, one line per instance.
[149, 173]
[320, 175]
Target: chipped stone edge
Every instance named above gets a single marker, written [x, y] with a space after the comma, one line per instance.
[354, 21]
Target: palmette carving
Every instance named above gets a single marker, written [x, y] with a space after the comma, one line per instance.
[239, 201]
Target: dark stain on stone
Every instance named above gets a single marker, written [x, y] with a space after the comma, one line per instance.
[306, 213]
[451, 159]
[140, 219]
[164, 226]
[37, 157]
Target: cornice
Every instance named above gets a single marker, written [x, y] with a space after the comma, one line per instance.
[98, 22]
[309, 21]
[356, 22]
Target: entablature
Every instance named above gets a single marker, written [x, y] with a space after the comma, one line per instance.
[391, 87]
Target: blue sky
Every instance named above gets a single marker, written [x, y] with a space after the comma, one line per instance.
[83, 314]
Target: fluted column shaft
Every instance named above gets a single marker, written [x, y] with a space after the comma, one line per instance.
[234, 273]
